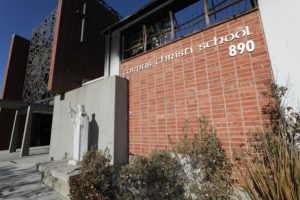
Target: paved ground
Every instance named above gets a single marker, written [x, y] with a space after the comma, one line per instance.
[19, 179]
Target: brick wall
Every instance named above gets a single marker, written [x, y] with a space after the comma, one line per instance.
[227, 90]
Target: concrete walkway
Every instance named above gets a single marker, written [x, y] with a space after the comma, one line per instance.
[19, 179]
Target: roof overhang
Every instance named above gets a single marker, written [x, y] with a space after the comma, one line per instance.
[19, 105]
[12, 104]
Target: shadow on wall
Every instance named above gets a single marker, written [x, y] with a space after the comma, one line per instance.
[93, 133]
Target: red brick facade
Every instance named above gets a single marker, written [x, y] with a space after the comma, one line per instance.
[227, 90]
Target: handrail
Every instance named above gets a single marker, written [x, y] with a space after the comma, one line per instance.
[44, 101]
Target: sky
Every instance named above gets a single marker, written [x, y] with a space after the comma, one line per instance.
[22, 16]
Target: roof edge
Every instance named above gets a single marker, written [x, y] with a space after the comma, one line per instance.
[146, 8]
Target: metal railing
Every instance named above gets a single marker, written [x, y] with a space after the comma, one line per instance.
[110, 9]
[211, 12]
[47, 101]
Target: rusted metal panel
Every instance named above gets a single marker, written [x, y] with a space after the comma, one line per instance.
[13, 84]
[15, 68]
[78, 46]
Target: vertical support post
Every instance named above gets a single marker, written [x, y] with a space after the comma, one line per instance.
[27, 133]
[214, 9]
[145, 37]
[123, 46]
[108, 55]
[206, 11]
[14, 135]
[172, 25]
[255, 4]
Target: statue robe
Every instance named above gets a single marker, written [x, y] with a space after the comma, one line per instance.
[80, 140]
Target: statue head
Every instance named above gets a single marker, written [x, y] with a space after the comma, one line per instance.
[81, 108]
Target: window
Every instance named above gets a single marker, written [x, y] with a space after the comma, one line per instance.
[177, 21]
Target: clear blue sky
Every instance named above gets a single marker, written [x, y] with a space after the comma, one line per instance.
[22, 16]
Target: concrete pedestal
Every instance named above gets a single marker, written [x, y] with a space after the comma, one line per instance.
[74, 162]
[57, 175]
[106, 103]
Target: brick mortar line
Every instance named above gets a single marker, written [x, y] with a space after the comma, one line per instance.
[239, 95]
[225, 105]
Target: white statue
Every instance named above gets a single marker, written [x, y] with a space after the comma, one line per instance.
[81, 127]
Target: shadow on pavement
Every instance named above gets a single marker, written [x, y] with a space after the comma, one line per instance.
[20, 182]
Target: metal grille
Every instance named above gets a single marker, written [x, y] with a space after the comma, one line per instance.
[38, 65]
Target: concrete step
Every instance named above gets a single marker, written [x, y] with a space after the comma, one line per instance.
[57, 174]
[33, 151]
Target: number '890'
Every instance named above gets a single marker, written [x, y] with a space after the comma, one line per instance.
[241, 47]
